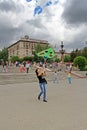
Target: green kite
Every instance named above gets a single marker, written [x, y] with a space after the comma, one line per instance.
[48, 53]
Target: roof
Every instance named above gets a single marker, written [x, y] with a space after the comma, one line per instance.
[30, 40]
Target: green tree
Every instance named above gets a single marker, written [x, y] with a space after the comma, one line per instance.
[39, 48]
[80, 61]
[3, 55]
[67, 58]
[57, 60]
[84, 52]
[28, 58]
[72, 55]
[14, 58]
[0, 55]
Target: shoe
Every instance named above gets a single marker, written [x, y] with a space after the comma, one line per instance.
[44, 100]
[38, 97]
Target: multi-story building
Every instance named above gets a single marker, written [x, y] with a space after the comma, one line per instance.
[24, 47]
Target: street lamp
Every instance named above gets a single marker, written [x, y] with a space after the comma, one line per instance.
[62, 51]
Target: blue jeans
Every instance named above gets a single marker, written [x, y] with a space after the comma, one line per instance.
[43, 90]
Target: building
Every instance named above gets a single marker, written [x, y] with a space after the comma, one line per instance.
[24, 47]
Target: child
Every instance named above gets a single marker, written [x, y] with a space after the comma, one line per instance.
[55, 77]
[6, 69]
[69, 76]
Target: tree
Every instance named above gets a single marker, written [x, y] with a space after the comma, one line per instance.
[39, 48]
[66, 58]
[4, 54]
[80, 61]
[14, 59]
[0, 55]
[57, 60]
[72, 55]
[84, 52]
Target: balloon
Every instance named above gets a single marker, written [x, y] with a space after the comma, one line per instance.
[56, 2]
[36, 1]
[48, 53]
[37, 10]
[48, 3]
[28, 0]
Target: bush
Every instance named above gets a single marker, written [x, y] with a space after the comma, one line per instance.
[57, 60]
[80, 61]
[83, 69]
[67, 58]
[14, 59]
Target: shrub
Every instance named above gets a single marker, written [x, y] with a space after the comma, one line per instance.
[67, 58]
[80, 61]
[57, 60]
[14, 58]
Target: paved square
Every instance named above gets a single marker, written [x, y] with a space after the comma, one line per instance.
[66, 108]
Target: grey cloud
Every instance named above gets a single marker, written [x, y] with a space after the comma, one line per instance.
[79, 41]
[7, 36]
[9, 33]
[34, 28]
[35, 23]
[75, 12]
[10, 6]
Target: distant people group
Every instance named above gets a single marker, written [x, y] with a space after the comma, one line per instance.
[24, 67]
[4, 67]
[41, 73]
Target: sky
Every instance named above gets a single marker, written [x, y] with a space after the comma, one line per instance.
[64, 21]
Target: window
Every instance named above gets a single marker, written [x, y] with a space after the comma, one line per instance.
[27, 46]
[24, 44]
[17, 47]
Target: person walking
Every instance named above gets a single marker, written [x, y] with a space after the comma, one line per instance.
[55, 77]
[41, 73]
[27, 66]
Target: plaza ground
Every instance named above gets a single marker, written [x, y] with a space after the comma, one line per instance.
[66, 108]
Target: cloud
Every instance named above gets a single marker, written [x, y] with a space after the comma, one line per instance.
[75, 12]
[9, 6]
[65, 21]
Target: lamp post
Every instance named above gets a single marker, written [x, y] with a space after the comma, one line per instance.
[62, 51]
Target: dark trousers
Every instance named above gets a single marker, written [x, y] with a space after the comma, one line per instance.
[27, 69]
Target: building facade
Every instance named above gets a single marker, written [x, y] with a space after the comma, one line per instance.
[24, 47]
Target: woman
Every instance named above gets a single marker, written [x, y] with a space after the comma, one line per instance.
[41, 73]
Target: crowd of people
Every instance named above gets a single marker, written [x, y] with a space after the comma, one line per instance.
[41, 72]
